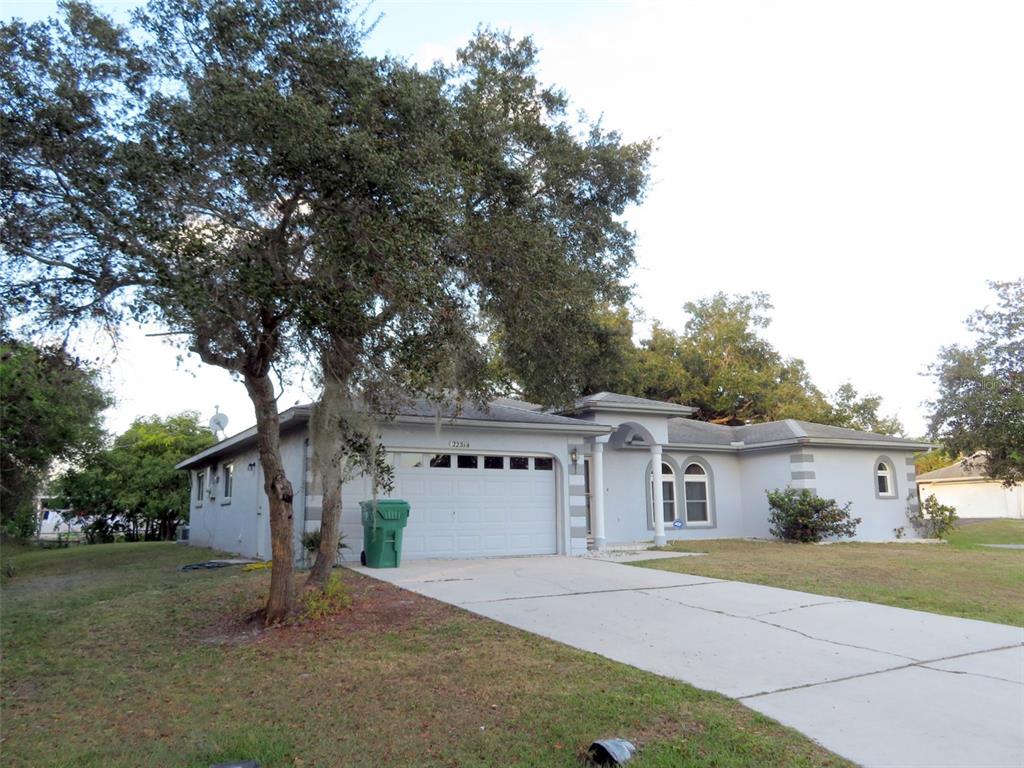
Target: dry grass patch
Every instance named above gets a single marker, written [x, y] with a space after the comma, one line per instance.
[167, 671]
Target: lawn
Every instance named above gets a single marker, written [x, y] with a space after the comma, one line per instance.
[960, 578]
[113, 657]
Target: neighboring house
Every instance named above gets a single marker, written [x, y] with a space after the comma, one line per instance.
[52, 521]
[965, 486]
[516, 480]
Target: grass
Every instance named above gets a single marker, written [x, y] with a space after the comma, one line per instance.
[113, 657]
[960, 578]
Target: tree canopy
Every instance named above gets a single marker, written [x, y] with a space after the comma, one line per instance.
[51, 407]
[980, 404]
[720, 363]
[245, 174]
[134, 482]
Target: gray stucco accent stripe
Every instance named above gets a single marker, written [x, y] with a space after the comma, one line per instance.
[802, 475]
[579, 533]
[909, 461]
[801, 458]
[577, 509]
[912, 477]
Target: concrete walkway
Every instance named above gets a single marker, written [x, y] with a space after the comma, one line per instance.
[881, 686]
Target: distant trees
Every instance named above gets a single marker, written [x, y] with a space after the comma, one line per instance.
[980, 405]
[51, 407]
[132, 486]
[722, 365]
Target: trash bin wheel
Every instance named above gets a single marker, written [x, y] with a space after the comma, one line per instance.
[362, 557]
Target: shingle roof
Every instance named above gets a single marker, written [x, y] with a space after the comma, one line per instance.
[967, 468]
[503, 411]
[689, 432]
[612, 399]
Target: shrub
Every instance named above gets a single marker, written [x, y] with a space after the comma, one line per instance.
[934, 520]
[318, 604]
[800, 515]
[311, 541]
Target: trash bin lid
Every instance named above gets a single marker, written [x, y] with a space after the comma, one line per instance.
[387, 509]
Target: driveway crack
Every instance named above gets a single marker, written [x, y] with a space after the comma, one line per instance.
[587, 592]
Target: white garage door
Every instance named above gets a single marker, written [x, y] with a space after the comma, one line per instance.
[476, 505]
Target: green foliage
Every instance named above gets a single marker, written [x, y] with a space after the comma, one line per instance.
[134, 484]
[847, 410]
[50, 410]
[319, 604]
[801, 515]
[928, 461]
[933, 520]
[980, 405]
[311, 541]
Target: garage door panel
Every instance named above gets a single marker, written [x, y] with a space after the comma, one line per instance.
[473, 512]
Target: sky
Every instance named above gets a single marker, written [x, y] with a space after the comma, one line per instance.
[859, 162]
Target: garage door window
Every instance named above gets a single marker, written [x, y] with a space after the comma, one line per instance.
[410, 460]
[494, 462]
[466, 462]
[544, 464]
[518, 462]
[441, 460]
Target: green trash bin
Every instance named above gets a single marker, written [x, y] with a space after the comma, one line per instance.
[383, 523]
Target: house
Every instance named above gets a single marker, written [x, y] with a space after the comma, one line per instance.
[514, 479]
[965, 486]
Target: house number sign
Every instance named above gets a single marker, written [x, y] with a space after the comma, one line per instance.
[458, 444]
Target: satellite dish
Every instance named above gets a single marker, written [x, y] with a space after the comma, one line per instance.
[219, 421]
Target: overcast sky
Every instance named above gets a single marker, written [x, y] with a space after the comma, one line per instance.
[860, 162]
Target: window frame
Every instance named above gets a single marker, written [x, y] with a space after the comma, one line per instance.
[704, 480]
[889, 473]
[227, 471]
[200, 487]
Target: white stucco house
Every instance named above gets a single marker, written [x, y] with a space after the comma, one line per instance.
[965, 486]
[513, 479]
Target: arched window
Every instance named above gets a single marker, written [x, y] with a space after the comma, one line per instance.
[668, 492]
[695, 490]
[885, 485]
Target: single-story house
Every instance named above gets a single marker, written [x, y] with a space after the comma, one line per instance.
[515, 479]
[965, 486]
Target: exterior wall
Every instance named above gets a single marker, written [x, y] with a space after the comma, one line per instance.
[978, 498]
[241, 526]
[627, 496]
[765, 471]
[848, 474]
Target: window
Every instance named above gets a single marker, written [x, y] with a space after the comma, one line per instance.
[695, 491]
[441, 460]
[544, 464]
[884, 485]
[410, 460]
[667, 478]
[518, 462]
[200, 482]
[466, 462]
[228, 472]
[494, 462]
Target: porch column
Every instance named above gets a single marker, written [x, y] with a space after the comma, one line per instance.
[597, 494]
[658, 502]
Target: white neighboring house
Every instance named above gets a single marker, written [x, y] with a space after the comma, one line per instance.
[965, 486]
[53, 524]
[514, 479]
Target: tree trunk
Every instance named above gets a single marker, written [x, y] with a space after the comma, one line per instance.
[279, 496]
[326, 440]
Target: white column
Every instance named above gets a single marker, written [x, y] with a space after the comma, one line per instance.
[657, 498]
[597, 494]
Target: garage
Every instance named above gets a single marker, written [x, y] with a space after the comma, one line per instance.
[469, 505]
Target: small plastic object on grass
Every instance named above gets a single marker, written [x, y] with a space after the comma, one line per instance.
[611, 752]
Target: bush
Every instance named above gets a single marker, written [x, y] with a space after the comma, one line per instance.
[934, 520]
[800, 515]
[319, 604]
[311, 541]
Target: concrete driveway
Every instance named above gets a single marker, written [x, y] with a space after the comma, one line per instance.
[881, 686]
